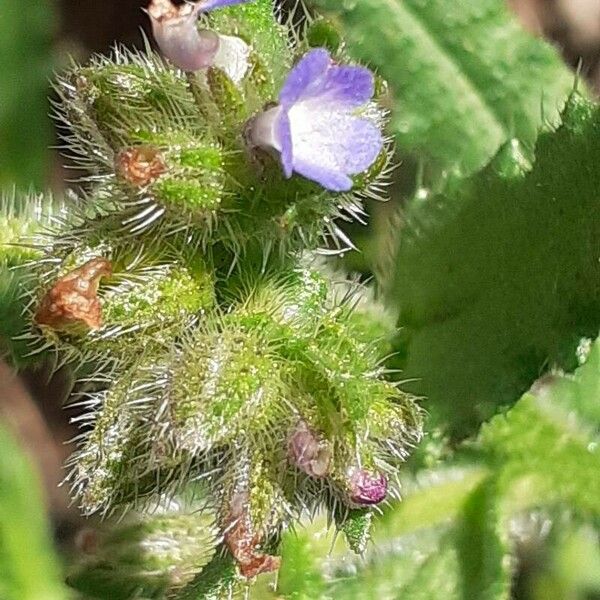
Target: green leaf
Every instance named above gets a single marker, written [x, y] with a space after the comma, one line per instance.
[26, 30]
[300, 576]
[468, 559]
[28, 567]
[499, 277]
[544, 450]
[464, 76]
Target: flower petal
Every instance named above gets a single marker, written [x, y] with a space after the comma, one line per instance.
[283, 133]
[345, 87]
[304, 76]
[208, 5]
[328, 177]
[176, 32]
[232, 57]
[328, 146]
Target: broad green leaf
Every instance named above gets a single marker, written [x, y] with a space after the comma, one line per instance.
[28, 567]
[412, 568]
[26, 30]
[572, 569]
[482, 542]
[500, 276]
[543, 450]
[464, 76]
[433, 499]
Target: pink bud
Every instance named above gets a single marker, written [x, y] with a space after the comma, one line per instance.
[307, 452]
[367, 487]
[177, 35]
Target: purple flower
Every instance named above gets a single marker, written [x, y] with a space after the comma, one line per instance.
[308, 453]
[315, 127]
[366, 487]
[179, 39]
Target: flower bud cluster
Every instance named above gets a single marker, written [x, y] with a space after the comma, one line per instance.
[222, 362]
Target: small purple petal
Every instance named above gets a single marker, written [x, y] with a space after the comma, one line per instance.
[331, 179]
[317, 131]
[208, 5]
[283, 133]
[304, 75]
[367, 488]
[348, 87]
[329, 146]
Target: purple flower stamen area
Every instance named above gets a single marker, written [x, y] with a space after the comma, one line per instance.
[318, 132]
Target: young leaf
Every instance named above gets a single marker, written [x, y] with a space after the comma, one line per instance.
[464, 76]
[500, 276]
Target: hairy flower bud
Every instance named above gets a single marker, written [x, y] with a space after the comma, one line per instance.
[162, 552]
[366, 487]
[191, 49]
[308, 453]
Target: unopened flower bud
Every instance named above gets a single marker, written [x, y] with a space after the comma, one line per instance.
[308, 453]
[177, 35]
[176, 32]
[367, 487]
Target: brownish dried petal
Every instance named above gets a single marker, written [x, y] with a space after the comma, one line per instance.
[243, 545]
[73, 301]
[140, 165]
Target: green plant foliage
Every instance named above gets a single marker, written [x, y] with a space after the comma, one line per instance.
[216, 357]
[453, 535]
[499, 277]
[545, 448]
[26, 30]
[152, 556]
[464, 77]
[21, 216]
[28, 567]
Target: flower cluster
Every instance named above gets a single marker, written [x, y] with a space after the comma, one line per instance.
[224, 374]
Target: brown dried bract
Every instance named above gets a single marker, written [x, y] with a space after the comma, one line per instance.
[140, 165]
[243, 543]
[73, 301]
